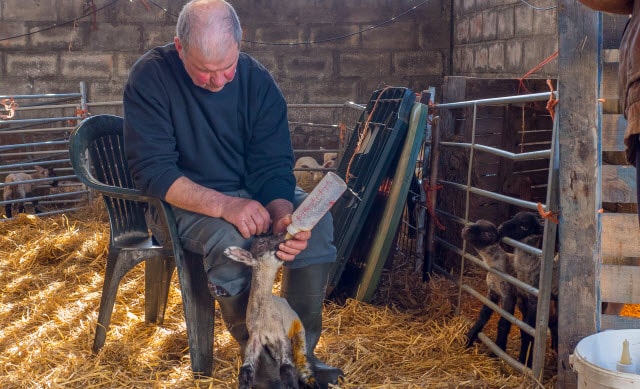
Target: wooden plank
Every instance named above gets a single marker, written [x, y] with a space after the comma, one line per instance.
[620, 284]
[612, 28]
[578, 32]
[620, 235]
[611, 322]
[609, 80]
[618, 184]
[613, 127]
[388, 225]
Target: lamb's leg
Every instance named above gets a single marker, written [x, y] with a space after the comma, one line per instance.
[529, 312]
[247, 374]
[7, 210]
[483, 318]
[553, 323]
[21, 208]
[504, 325]
[36, 210]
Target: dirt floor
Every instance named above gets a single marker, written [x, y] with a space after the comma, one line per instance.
[51, 279]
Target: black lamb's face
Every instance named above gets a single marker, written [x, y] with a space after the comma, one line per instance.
[265, 243]
[523, 224]
[481, 234]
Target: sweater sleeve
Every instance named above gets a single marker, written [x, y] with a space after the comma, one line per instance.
[270, 154]
[150, 142]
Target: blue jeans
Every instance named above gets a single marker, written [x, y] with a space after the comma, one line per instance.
[209, 237]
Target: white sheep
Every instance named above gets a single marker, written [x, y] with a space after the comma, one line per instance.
[308, 179]
[273, 326]
[15, 191]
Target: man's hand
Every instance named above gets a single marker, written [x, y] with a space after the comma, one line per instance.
[249, 216]
[290, 248]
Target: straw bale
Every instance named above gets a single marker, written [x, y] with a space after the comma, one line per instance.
[51, 279]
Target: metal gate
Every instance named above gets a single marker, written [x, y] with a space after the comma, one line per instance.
[35, 130]
[470, 186]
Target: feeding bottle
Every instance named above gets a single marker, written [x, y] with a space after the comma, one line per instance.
[317, 204]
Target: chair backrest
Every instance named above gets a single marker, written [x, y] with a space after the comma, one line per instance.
[96, 149]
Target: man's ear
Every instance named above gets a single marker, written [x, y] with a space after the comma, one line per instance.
[240, 255]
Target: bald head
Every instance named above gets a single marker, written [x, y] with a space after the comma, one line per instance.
[208, 26]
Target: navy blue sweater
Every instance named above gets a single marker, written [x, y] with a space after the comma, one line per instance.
[237, 138]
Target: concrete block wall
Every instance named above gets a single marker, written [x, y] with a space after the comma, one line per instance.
[504, 38]
[411, 51]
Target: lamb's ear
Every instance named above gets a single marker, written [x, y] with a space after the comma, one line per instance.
[240, 255]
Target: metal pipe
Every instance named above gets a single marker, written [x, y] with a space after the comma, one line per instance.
[540, 154]
[498, 100]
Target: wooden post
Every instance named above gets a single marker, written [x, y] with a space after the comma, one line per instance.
[578, 73]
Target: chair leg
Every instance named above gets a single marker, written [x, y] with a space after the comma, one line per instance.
[198, 312]
[157, 274]
[118, 264]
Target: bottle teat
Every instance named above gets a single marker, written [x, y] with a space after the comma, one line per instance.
[624, 364]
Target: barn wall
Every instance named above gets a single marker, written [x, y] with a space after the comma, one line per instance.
[412, 51]
[503, 38]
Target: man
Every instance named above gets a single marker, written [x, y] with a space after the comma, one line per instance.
[628, 89]
[206, 130]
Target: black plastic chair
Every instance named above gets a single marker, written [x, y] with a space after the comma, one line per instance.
[96, 149]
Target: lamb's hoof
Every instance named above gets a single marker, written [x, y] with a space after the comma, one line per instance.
[288, 376]
[246, 377]
[267, 375]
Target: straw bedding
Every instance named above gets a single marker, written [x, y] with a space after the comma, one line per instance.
[51, 279]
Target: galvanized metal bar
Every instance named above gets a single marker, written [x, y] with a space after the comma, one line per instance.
[316, 150]
[45, 143]
[38, 120]
[19, 130]
[548, 257]
[31, 153]
[307, 124]
[492, 195]
[42, 96]
[29, 164]
[36, 180]
[41, 107]
[498, 100]
[540, 154]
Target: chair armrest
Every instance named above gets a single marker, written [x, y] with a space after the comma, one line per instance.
[115, 191]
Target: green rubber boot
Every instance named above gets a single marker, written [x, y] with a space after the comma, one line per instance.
[305, 289]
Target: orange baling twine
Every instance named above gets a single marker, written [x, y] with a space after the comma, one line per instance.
[10, 106]
[535, 69]
[551, 216]
[428, 189]
[361, 135]
[552, 101]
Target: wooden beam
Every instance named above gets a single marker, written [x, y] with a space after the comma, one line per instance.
[578, 32]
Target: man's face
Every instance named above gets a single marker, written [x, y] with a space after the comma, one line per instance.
[211, 75]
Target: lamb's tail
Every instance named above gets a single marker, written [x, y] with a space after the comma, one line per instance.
[299, 349]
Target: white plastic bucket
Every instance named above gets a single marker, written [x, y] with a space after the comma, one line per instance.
[596, 356]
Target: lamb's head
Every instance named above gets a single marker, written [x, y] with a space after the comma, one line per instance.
[41, 172]
[263, 250]
[481, 234]
[520, 226]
